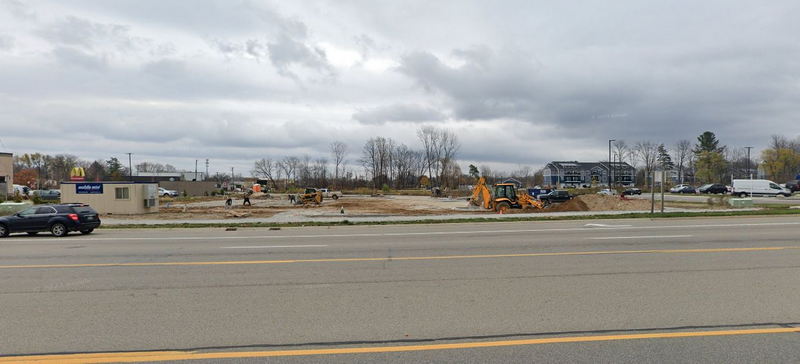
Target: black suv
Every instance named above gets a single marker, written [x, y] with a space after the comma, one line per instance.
[555, 196]
[713, 188]
[58, 219]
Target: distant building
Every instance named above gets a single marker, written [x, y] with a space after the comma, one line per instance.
[587, 174]
[113, 197]
[6, 174]
[193, 176]
[515, 181]
[156, 176]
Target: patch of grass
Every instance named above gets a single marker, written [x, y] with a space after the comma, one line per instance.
[763, 212]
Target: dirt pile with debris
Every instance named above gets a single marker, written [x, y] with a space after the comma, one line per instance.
[600, 203]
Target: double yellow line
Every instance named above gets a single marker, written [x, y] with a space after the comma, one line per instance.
[385, 259]
[145, 356]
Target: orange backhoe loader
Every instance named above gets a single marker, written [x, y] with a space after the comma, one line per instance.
[501, 197]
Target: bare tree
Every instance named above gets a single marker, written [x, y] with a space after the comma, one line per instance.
[448, 147]
[320, 172]
[289, 167]
[648, 153]
[683, 155]
[339, 153]
[266, 168]
[429, 137]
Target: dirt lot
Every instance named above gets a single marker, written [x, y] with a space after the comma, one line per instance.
[371, 206]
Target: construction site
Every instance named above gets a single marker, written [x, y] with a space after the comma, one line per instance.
[287, 207]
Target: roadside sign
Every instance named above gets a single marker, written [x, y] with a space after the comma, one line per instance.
[89, 188]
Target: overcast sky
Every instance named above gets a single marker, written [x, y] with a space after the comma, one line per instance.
[520, 82]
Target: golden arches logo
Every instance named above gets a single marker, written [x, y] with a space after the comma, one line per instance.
[77, 174]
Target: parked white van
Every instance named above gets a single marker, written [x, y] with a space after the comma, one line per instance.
[758, 187]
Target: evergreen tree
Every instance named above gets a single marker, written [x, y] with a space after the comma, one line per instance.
[664, 159]
[473, 171]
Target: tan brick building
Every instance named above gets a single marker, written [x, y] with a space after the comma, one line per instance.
[123, 198]
[6, 174]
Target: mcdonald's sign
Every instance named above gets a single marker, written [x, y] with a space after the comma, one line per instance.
[77, 174]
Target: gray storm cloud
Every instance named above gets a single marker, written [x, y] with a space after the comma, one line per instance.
[244, 80]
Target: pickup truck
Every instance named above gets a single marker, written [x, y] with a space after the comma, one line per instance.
[330, 194]
[555, 196]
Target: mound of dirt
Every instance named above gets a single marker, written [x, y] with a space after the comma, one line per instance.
[601, 203]
[575, 204]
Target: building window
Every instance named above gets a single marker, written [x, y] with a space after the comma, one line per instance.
[122, 193]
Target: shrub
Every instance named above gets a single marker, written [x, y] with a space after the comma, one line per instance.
[385, 188]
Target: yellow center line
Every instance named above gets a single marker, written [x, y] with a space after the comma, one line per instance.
[384, 259]
[136, 357]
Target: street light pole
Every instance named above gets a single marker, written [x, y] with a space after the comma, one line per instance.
[609, 161]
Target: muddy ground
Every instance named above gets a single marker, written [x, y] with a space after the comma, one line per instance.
[370, 206]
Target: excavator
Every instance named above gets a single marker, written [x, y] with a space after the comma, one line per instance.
[501, 197]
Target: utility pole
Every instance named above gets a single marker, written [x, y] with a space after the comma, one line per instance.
[653, 192]
[750, 175]
[232, 177]
[206, 167]
[195, 170]
[130, 166]
[609, 161]
[663, 179]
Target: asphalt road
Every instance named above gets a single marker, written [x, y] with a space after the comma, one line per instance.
[675, 290]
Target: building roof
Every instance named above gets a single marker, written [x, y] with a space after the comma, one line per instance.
[587, 165]
[6, 154]
[158, 174]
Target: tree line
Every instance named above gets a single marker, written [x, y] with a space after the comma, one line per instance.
[384, 162]
[707, 160]
[47, 171]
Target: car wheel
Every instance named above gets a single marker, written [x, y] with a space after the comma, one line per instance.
[32, 233]
[58, 229]
[87, 231]
[742, 195]
[335, 197]
[166, 195]
[3, 231]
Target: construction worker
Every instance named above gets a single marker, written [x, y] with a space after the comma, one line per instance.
[247, 195]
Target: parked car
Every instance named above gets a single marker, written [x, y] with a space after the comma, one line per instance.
[758, 187]
[677, 188]
[684, 189]
[59, 219]
[607, 192]
[632, 191]
[793, 186]
[167, 193]
[555, 196]
[713, 188]
[48, 195]
[22, 190]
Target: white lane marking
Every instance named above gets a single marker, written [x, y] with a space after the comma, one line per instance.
[606, 225]
[641, 237]
[272, 246]
[432, 233]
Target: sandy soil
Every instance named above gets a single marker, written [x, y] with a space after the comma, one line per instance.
[365, 206]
